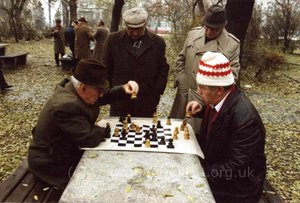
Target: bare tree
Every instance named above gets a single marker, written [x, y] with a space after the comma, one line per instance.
[14, 10]
[116, 15]
[239, 14]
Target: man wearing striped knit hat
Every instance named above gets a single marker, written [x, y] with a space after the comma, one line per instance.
[232, 134]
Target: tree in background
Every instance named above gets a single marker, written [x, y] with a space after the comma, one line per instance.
[14, 10]
[116, 15]
[282, 21]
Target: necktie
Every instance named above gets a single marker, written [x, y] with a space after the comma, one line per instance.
[212, 117]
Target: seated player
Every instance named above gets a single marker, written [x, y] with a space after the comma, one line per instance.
[67, 122]
[232, 134]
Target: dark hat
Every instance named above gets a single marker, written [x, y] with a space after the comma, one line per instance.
[58, 20]
[215, 16]
[82, 19]
[91, 72]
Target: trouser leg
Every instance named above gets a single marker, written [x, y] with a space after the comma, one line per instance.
[57, 59]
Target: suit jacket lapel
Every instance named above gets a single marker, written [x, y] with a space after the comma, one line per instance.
[125, 42]
[146, 43]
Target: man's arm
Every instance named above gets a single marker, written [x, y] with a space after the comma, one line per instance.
[180, 64]
[235, 62]
[107, 58]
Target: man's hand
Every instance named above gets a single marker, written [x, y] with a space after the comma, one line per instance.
[131, 87]
[194, 107]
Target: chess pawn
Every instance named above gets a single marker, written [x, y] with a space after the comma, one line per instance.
[175, 135]
[133, 95]
[128, 118]
[116, 133]
[188, 114]
[176, 130]
[154, 119]
[132, 126]
[125, 124]
[137, 129]
[183, 124]
[147, 143]
[168, 121]
[186, 133]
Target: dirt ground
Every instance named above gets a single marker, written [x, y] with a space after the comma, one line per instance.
[277, 99]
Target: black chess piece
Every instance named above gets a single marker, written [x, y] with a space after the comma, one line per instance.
[170, 144]
[162, 141]
[159, 124]
[121, 119]
[147, 135]
[153, 136]
[107, 131]
[123, 134]
[128, 118]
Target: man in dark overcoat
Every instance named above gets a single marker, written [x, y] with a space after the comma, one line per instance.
[83, 37]
[67, 122]
[137, 54]
[232, 135]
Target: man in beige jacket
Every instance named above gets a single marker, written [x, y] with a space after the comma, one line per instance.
[212, 36]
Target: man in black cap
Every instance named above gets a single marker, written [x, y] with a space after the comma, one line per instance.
[137, 54]
[212, 36]
[67, 122]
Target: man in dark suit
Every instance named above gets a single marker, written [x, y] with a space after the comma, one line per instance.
[139, 55]
[232, 135]
[67, 122]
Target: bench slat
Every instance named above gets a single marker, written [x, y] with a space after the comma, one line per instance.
[38, 192]
[13, 180]
[53, 195]
[21, 191]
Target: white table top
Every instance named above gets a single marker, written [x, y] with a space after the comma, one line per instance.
[130, 176]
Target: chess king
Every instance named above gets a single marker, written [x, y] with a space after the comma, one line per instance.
[232, 134]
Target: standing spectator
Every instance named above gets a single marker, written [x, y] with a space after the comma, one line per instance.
[67, 122]
[137, 54]
[100, 36]
[3, 83]
[211, 37]
[57, 32]
[83, 36]
[232, 134]
[70, 37]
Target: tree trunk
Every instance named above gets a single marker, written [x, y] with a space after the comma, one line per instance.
[239, 14]
[116, 15]
[73, 10]
[49, 12]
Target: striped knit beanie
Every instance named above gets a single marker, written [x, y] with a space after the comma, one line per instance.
[214, 70]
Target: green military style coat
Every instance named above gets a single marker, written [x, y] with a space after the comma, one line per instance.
[66, 123]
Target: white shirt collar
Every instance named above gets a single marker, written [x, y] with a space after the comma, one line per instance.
[220, 104]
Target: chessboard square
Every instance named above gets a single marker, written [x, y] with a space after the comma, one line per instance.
[131, 135]
[138, 145]
[138, 138]
[130, 141]
[167, 129]
[160, 131]
[119, 125]
[140, 133]
[122, 141]
[114, 139]
[168, 134]
[131, 131]
[138, 142]
[121, 144]
[146, 126]
[154, 145]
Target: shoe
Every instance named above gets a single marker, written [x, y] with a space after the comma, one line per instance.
[8, 86]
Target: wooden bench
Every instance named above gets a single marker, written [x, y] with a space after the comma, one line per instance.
[12, 61]
[269, 194]
[23, 186]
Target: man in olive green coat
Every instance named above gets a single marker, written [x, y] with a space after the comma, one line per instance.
[67, 122]
[57, 32]
[211, 37]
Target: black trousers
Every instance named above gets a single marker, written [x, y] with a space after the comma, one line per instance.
[3, 83]
[56, 56]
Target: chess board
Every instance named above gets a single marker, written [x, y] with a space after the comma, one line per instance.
[134, 141]
[137, 139]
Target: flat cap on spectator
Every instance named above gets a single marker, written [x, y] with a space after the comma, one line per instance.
[135, 17]
[215, 16]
